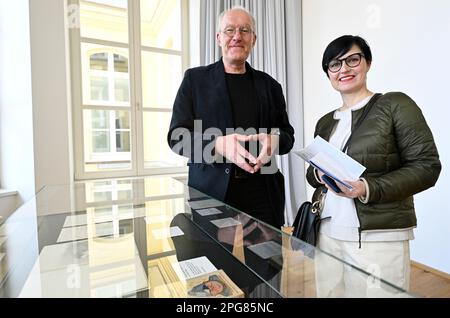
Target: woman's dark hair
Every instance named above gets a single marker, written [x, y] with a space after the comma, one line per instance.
[342, 45]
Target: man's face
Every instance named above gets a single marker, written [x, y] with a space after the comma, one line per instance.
[236, 37]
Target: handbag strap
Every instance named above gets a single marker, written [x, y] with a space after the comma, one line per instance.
[367, 109]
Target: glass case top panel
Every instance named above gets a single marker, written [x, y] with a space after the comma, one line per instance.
[156, 237]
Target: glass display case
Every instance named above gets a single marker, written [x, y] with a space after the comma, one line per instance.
[156, 237]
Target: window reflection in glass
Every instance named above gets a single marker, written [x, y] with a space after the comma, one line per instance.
[120, 63]
[122, 90]
[99, 62]
[107, 138]
[123, 141]
[99, 88]
[100, 141]
[100, 119]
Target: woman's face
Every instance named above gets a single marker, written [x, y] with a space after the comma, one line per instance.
[350, 79]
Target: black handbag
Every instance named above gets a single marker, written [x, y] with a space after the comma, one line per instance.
[307, 222]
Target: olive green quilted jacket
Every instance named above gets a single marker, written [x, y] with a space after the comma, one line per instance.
[397, 147]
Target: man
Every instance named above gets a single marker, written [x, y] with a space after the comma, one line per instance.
[230, 94]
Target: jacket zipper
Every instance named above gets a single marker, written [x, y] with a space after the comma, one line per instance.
[359, 228]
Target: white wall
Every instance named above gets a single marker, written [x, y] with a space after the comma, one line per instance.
[410, 44]
[16, 125]
[51, 94]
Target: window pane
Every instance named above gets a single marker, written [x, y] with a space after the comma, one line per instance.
[120, 63]
[123, 141]
[100, 119]
[105, 76]
[161, 77]
[100, 141]
[161, 24]
[99, 61]
[99, 88]
[104, 20]
[122, 120]
[124, 194]
[121, 90]
[156, 150]
[107, 140]
[102, 196]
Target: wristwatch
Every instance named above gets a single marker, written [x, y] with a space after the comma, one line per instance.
[275, 131]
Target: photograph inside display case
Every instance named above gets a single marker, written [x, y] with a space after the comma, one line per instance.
[167, 278]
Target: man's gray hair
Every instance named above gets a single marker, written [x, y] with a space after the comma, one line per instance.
[240, 8]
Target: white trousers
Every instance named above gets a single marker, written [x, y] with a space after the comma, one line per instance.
[335, 277]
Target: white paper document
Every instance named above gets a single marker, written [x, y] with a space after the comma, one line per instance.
[160, 234]
[195, 267]
[204, 204]
[331, 161]
[221, 223]
[266, 250]
[211, 211]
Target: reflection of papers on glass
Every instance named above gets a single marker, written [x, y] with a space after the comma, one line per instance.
[331, 161]
[75, 220]
[221, 223]
[204, 204]
[194, 267]
[154, 219]
[81, 232]
[124, 212]
[266, 250]
[206, 212]
[160, 234]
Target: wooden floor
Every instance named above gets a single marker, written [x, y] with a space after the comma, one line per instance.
[426, 283]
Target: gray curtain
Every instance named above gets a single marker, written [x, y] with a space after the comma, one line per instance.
[277, 52]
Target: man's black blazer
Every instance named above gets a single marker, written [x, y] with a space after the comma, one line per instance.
[203, 95]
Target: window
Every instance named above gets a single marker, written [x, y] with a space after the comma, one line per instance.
[128, 58]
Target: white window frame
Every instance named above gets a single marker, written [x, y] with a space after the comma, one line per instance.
[136, 110]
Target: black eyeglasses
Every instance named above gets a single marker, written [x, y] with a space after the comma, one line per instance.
[352, 61]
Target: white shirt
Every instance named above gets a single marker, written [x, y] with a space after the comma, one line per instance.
[344, 222]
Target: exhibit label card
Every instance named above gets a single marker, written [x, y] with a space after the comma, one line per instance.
[195, 267]
[211, 211]
[204, 204]
[160, 234]
[221, 223]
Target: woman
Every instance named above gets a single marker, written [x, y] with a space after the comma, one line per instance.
[370, 225]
